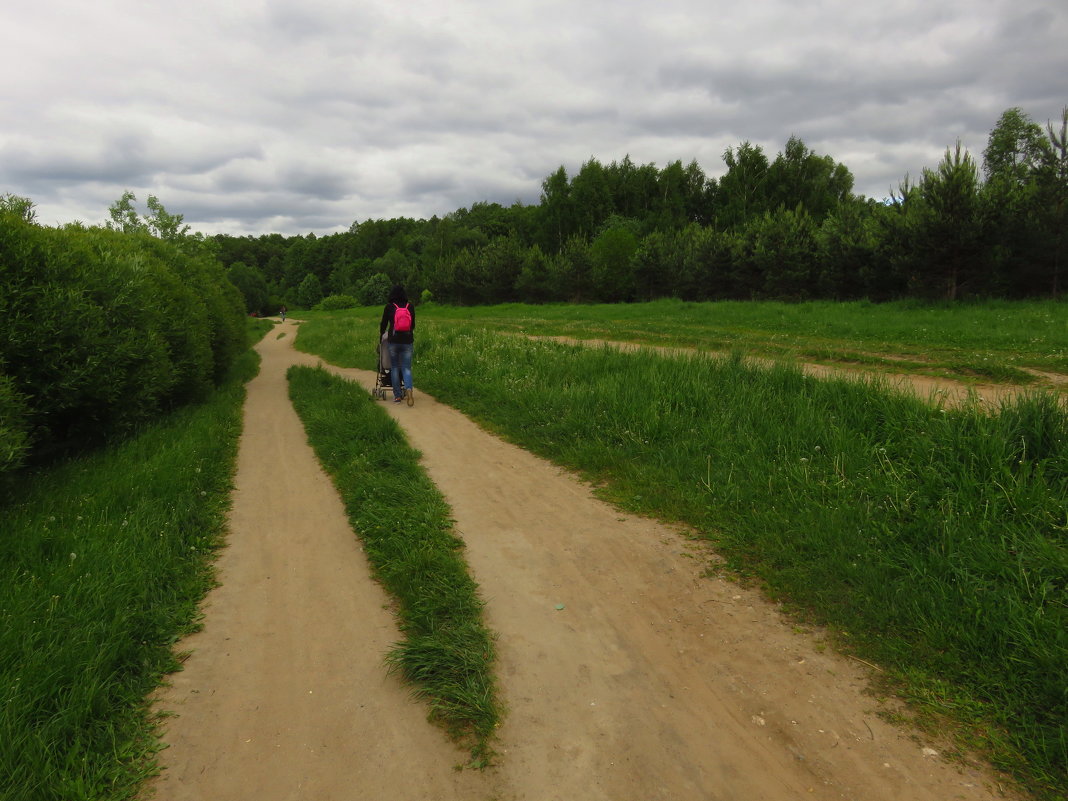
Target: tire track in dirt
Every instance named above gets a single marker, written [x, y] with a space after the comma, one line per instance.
[934, 389]
[626, 674]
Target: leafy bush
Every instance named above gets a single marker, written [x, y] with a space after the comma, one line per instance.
[375, 290]
[14, 426]
[335, 302]
[252, 285]
[104, 330]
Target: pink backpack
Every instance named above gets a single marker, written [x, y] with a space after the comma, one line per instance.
[402, 318]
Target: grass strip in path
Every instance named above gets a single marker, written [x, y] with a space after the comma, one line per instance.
[103, 561]
[447, 653]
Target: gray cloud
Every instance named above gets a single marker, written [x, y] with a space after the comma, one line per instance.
[277, 115]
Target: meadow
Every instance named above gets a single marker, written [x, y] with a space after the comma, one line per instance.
[991, 341]
[929, 542]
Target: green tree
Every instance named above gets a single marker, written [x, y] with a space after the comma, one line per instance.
[374, 291]
[163, 225]
[570, 271]
[394, 264]
[897, 256]
[310, 291]
[1014, 149]
[800, 177]
[672, 202]
[654, 265]
[535, 284]
[780, 255]
[741, 193]
[846, 242]
[557, 211]
[634, 189]
[1012, 164]
[951, 227]
[611, 270]
[591, 198]
[704, 263]
[294, 261]
[1053, 191]
[21, 207]
[498, 266]
[251, 284]
[124, 216]
[697, 191]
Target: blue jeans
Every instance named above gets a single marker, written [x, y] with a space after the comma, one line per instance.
[400, 356]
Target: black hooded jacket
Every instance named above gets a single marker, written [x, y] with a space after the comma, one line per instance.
[397, 297]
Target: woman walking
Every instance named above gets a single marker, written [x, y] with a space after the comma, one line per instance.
[398, 323]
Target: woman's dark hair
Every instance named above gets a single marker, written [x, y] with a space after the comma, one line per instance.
[398, 295]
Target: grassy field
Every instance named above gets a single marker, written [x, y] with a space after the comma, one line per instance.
[932, 542]
[995, 341]
[447, 653]
[103, 561]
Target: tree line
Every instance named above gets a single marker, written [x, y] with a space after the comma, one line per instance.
[788, 227]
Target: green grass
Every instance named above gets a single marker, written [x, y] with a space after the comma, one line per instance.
[447, 653]
[102, 563]
[934, 542]
[988, 341]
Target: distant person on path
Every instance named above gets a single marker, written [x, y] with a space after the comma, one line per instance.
[282, 311]
[398, 322]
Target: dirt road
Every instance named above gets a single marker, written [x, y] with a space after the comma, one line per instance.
[626, 674]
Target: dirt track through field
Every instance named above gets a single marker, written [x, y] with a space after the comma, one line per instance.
[936, 389]
[627, 675]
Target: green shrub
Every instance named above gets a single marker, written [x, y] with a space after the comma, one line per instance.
[375, 290]
[104, 330]
[221, 300]
[252, 286]
[336, 302]
[14, 426]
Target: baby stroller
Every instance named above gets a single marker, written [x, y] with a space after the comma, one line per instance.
[383, 378]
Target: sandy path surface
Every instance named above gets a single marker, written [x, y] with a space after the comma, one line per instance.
[626, 674]
[285, 695]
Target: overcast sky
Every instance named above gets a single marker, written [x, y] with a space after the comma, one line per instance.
[298, 116]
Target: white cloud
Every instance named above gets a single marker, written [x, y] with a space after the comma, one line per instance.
[276, 115]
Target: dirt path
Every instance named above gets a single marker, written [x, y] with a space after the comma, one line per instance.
[626, 674]
[943, 390]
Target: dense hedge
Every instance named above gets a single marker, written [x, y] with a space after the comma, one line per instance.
[102, 331]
